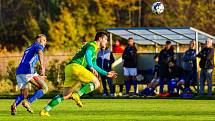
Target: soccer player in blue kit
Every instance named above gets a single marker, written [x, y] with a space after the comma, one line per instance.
[26, 73]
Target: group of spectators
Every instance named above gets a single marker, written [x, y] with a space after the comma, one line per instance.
[166, 70]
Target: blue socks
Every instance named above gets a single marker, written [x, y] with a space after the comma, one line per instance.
[37, 94]
[19, 99]
[128, 86]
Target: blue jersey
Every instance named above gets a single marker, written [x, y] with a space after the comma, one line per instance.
[29, 59]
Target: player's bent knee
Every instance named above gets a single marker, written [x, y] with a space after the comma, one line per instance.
[42, 85]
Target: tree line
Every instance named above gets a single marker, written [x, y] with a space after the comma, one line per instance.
[67, 22]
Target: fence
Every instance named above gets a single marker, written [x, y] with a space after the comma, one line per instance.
[16, 58]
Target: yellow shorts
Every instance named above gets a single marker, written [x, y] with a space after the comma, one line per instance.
[76, 74]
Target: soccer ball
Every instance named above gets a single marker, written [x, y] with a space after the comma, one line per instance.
[139, 77]
[157, 7]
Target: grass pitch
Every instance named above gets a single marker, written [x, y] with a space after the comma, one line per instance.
[116, 109]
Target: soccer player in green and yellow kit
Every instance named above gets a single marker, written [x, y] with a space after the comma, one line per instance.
[77, 74]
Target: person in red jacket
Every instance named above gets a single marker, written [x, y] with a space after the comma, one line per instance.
[117, 47]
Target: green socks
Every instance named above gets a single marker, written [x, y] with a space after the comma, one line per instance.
[55, 101]
[87, 88]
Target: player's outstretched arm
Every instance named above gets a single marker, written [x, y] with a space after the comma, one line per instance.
[92, 64]
[112, 74]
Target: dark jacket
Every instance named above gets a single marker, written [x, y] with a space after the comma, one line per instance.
[189, 59]
[105, 59]
[156, 71]
[164, 57]
[130, 57]
[207, 58]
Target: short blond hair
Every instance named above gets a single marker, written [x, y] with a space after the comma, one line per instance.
[40, 35]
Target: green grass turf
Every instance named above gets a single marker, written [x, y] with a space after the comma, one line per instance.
[116, 109]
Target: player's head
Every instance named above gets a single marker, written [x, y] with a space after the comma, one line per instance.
[41, 38]
[208, 43]
[130, 41]
[84, 42]
[192, 44]
[117, 43]
[101, 38]
[168, 45]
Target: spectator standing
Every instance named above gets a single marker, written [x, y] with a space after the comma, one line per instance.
[118, 81]
[117, 47]
[104, 60]
[206, 64]
[165, 56]
[129, 57]
[189, 66]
